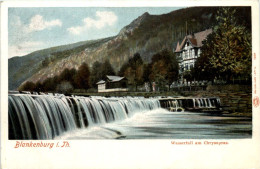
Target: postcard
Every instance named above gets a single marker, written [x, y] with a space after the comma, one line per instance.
[122, 84]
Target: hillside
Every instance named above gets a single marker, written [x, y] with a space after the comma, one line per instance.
[147, 35]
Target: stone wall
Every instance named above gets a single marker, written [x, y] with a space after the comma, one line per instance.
[236, 99]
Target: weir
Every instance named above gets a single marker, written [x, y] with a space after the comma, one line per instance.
[209, 104]
[45, 117]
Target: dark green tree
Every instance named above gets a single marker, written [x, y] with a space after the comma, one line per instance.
[82, 78]
[64, 87]
[187, 74]
[164, 69]
[134, 72]
[96, 74]
[27, 86]
[38, 87]
[229, 49]
[67, 75]
[123, 68]
[146, 74]
[49, 84]
[107, 69]
[203, 70]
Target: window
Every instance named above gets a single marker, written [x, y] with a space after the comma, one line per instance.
[191, 66]
[196, 52]
[186, 66]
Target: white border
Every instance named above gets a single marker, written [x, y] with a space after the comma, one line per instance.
[242, 153]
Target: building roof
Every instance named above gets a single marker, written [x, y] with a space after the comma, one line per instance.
[111, 79]
[100, 82]
[200, 36]
[114, 78]
[178, 47]
[195, 40]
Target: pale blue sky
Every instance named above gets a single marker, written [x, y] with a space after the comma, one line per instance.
[32, 29]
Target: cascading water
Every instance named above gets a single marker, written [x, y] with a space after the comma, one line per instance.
[45, 116]
[191, 104]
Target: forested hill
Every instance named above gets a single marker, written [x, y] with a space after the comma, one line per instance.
[147, 35]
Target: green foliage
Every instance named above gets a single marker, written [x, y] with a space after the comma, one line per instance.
[187, 74]
[96, 74]
[46, 62]
[82, 77]
[133, 70]
[227, 52]
[64, 87]
[65, 82]
[49, 84]
[27, 86]
[123, 68]
[107, 69]
[68, 75]
[164, 68]
[38, 87]
[202, 68]
[147, 72]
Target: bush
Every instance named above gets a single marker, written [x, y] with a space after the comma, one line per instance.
[28, 86]
[64, 87]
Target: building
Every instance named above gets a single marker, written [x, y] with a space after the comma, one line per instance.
[189, 50]
[112, 84]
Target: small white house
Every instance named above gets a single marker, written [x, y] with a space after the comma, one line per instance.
[101, 85]
[112, 84]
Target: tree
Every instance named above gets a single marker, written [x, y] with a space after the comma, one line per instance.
[49, 84]
[146, 73]
[96, 73]
[188, 75]
[229, 49]
[173, 68]
[107, 69]
[64, 87]
[27, 86]
[38, 86]
[164, 68]
[135, 70]
[82, 77]
[123, 68]
[203, 70]
[67, 75]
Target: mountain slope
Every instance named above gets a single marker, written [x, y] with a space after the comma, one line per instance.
[22, 68]
[147, 35]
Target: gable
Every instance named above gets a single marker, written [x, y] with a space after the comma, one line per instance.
[194, 40]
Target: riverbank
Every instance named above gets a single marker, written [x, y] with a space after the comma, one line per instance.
[131, 94]
[235, 99]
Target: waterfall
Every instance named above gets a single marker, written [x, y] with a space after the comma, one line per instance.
[191, 104]
[48, 116]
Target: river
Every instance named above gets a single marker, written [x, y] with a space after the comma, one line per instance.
[44, 117]
[162, 124]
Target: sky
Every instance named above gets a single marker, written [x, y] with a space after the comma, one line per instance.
[31, 29]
